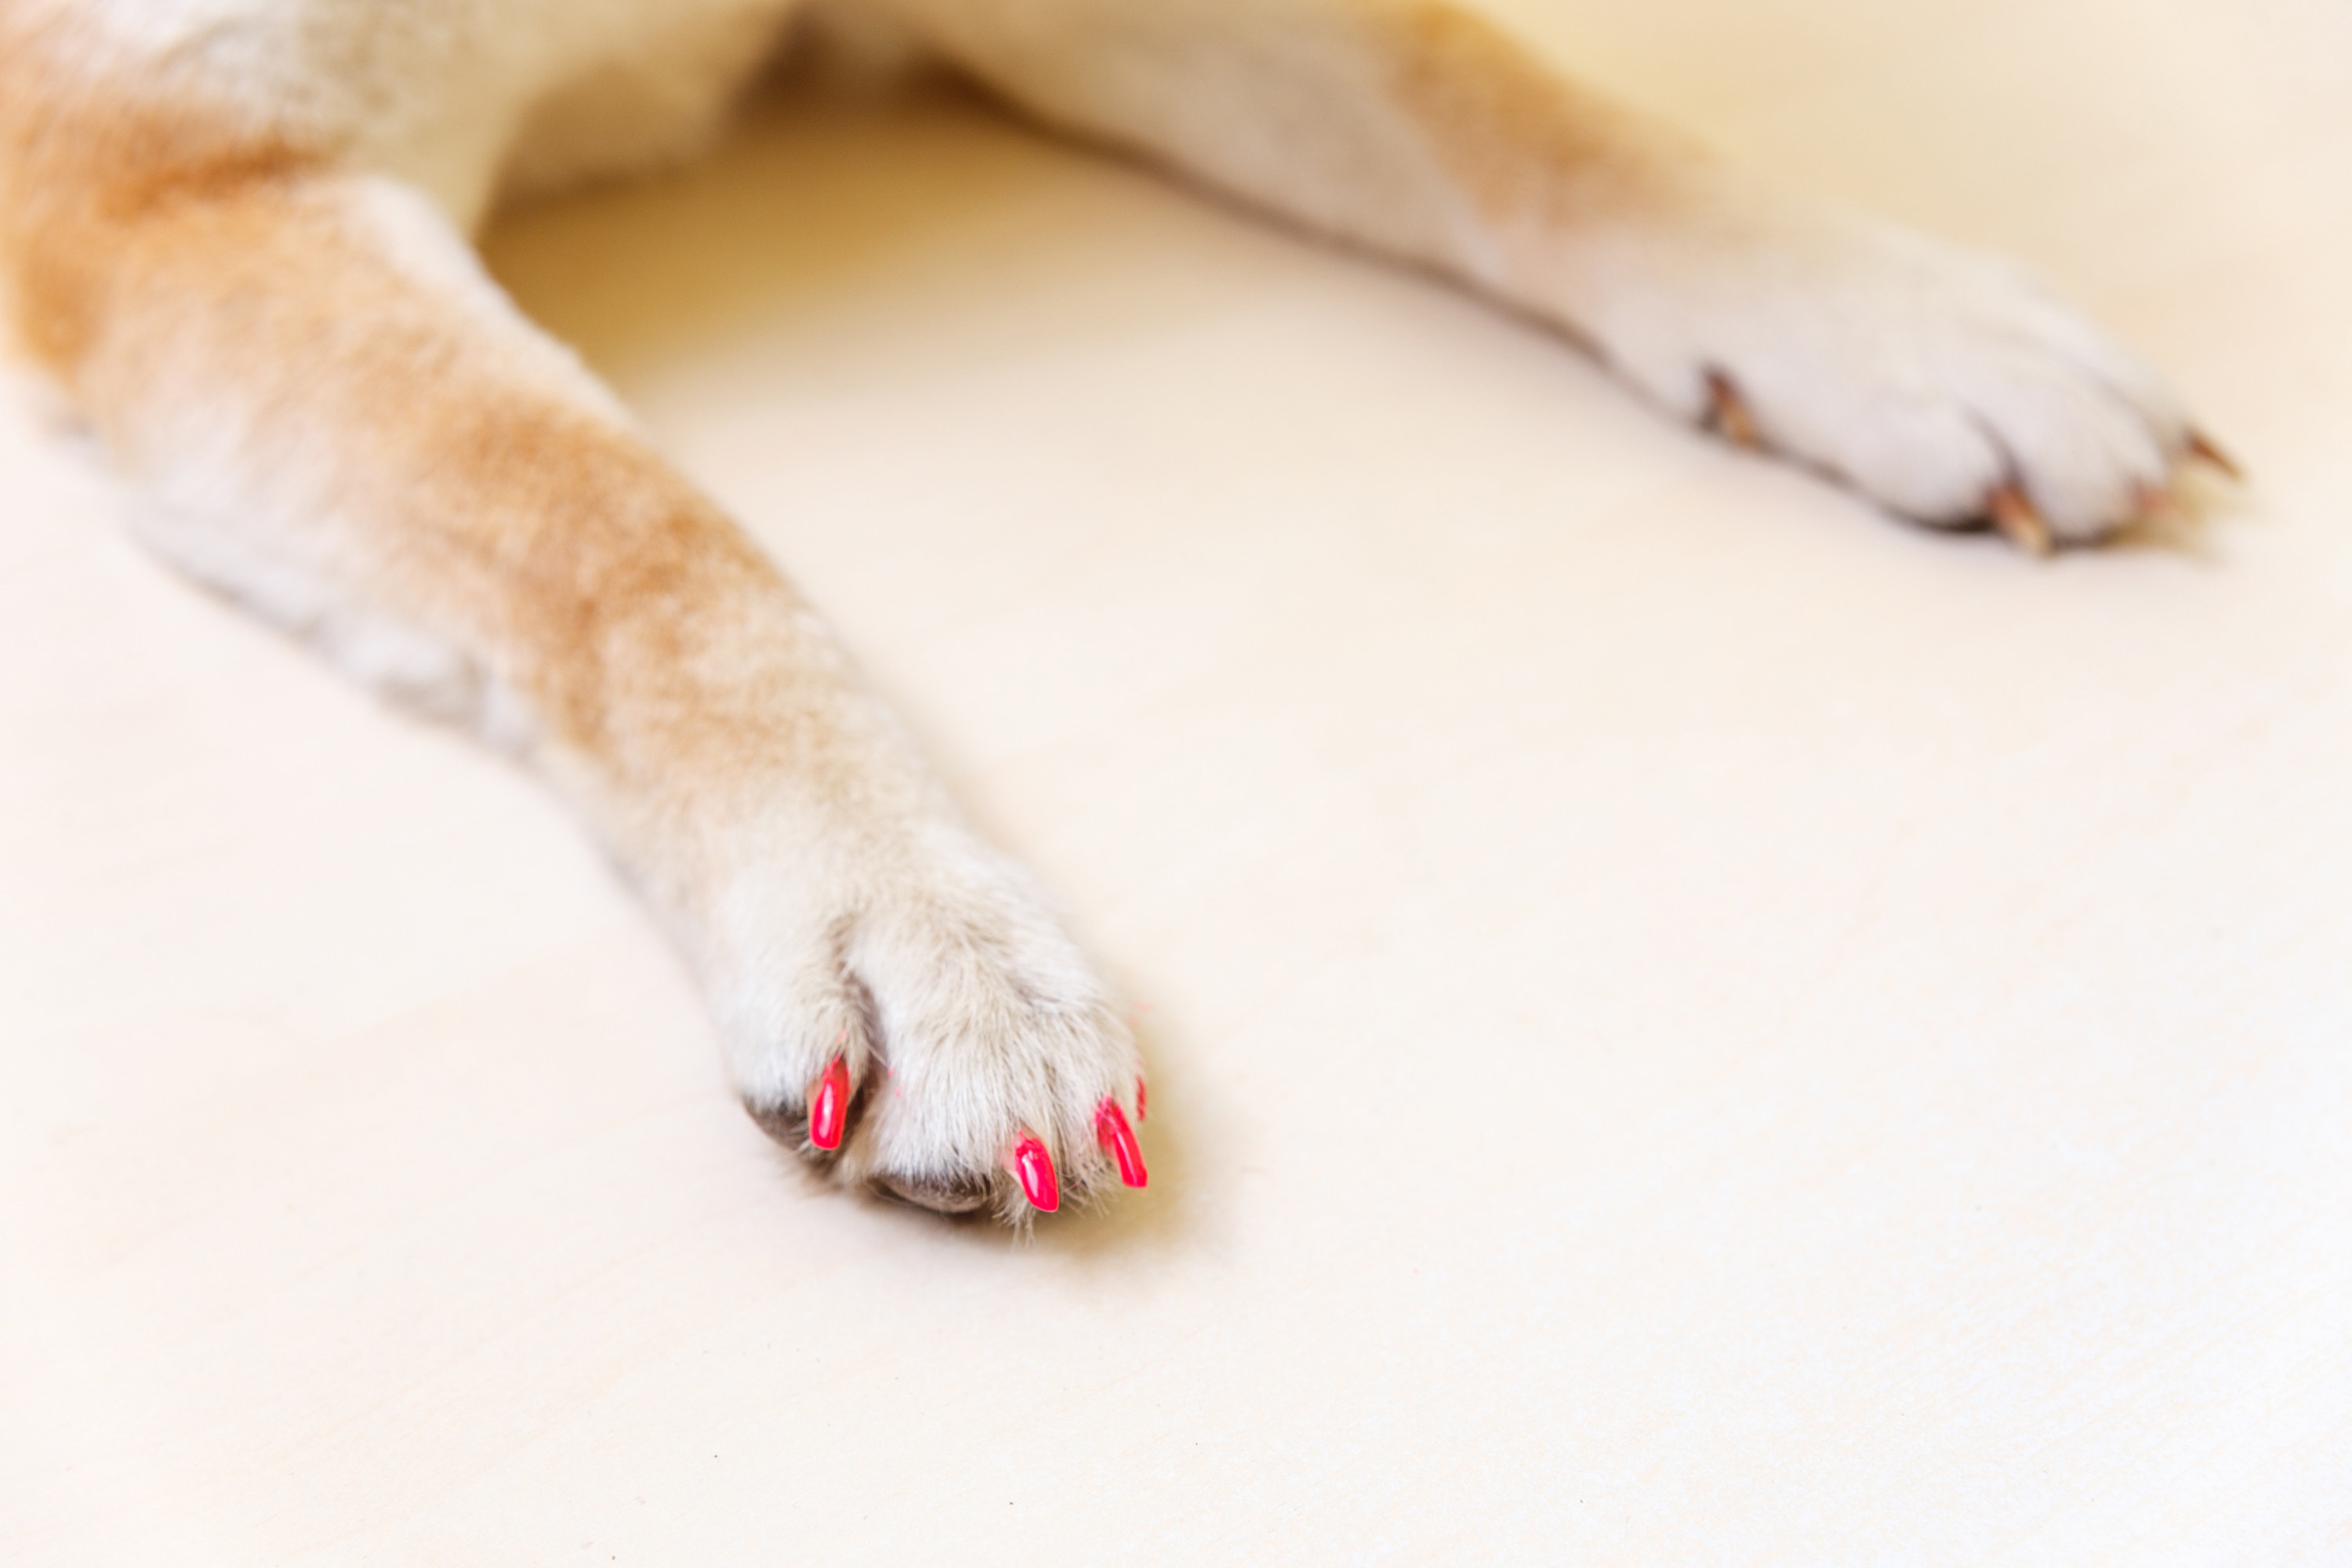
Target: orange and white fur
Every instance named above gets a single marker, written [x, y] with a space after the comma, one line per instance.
[235, 232]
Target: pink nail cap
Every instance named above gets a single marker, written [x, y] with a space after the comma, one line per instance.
[1034, 1169]
[829, 1106]
[1115, 1135]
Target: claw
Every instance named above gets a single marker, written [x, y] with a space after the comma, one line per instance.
[2018, 522]
[1114, 1135]
[1728, 412]
[1034, 1169]
[1141, 1113]
[829, 1106]
[2204, 450]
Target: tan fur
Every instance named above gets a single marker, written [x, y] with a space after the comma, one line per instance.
[146, 235]
[82, 167]
[484, 512]
[1524, 143]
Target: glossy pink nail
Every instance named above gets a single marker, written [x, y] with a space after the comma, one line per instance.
[1115, 1135]
[1140, 1112]
[829, 1106]
[1034, 1169]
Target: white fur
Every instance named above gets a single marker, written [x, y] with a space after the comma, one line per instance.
[1922, 374]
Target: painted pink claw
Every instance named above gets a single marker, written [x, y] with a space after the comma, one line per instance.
[1034, 1169]
[829, 1106]
[1141, 1113]
[1114, 1135]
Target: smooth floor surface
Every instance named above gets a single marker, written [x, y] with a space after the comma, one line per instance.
[1688, 1023]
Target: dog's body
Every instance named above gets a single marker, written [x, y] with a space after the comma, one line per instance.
[233, 230]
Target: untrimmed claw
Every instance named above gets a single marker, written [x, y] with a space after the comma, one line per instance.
[1117, 1138]
[2018, 522]
[2204, 450]
[1034, 1169]
[1728, 412]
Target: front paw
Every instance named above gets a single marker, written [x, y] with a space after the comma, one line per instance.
[907, 1015]
[1947, 386]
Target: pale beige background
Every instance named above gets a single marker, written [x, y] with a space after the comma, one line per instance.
[1688, 1024]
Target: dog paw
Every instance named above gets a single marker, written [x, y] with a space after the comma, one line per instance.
[910, 1017]
[1945, 386]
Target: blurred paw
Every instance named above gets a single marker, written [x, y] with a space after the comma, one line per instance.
[1944, 385]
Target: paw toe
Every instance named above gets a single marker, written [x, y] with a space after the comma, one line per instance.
[1935, 382]
[971, 1055]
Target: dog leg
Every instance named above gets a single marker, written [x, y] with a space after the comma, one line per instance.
[345, 425]
[1944, 385]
